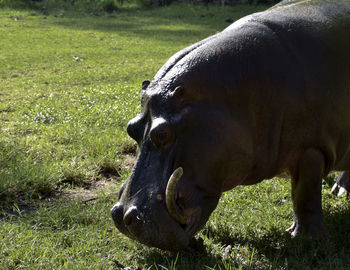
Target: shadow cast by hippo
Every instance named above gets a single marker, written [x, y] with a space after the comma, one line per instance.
[301, 252]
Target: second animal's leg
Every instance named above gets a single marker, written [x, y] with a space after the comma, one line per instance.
[342, 184]
[306, 195]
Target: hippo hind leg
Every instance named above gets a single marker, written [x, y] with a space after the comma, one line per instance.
[342, 184]
[306, 195]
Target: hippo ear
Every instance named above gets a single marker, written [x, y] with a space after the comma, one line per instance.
[145, 84]
[182, 95]
[179, 93]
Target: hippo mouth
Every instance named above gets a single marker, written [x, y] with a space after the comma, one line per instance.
[188, 218]
[165, 223]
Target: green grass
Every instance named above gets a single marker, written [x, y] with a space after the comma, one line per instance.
[62, 134]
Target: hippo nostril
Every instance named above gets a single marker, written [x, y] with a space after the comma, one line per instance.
[130, 214]
[117, 211]
[140, 217]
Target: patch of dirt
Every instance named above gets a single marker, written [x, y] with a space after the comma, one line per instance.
[90, 193]
[108, 186]
[108, 182]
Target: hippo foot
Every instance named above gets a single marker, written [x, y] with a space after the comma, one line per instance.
[315, 232]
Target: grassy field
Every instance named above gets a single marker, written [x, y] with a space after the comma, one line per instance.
[69, 84]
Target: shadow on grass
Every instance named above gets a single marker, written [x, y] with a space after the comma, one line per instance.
[176, 23]
[275, 248]
[302, 253]
[136, 27]
[187, 260]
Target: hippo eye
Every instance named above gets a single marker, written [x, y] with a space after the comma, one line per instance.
[161, 135]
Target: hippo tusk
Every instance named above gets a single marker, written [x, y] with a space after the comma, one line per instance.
[173, 208]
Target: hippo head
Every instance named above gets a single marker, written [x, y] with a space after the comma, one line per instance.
[190, 151]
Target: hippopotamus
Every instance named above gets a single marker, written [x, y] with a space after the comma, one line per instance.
[268, 95]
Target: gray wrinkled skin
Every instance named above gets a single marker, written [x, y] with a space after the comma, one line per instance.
[269, 94]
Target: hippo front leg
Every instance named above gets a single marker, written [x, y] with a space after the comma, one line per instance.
[306, 195]
[342, 184]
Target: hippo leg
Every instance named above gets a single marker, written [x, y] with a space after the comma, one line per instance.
[306, 195]
[342, 184]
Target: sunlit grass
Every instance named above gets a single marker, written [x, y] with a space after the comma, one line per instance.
[69, 85]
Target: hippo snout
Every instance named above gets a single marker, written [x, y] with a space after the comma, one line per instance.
[158, 229]
[125, 218]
